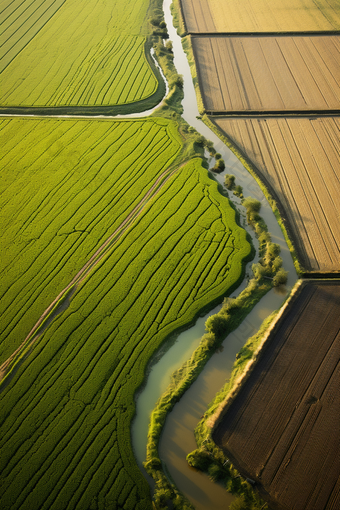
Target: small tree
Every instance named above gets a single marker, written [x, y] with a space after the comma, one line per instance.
[219, 166]
[199, 459]
[272, 251]
[258, 271]
[218, 155]
[251, 204]
[217, 325]
[238, 191]
[210, 146]
[155, 22]
[277, 263]
[177, 79]
[229, 181]
[200, 140]
[280, 278]
[169, 47]
[217, 473]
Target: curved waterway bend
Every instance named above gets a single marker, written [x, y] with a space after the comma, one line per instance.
[177, 438]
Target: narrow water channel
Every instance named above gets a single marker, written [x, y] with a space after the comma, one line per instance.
[177, 438]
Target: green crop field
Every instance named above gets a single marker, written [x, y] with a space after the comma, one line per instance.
[75, 53]
[62, 184]
[20, 21]
[67, 185]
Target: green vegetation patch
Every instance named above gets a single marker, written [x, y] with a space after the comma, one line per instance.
[20, 22]
[87, 54]
[218, 327]
[66, 413]
[65, 186]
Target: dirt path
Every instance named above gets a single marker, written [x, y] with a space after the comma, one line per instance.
[58, 305]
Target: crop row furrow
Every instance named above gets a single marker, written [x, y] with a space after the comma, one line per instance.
[63, 206]
[24, 30]
[90, 94]
[18, 11]
[49, 154]
[69, 64]
[79, 73]
[130, 89]
[119, 72]
[21, 299]
[54, 440]
[134, 56]
[69, 406]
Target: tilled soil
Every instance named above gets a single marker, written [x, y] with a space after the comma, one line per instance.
[282, 429]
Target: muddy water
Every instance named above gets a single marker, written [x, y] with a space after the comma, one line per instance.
[178, 439]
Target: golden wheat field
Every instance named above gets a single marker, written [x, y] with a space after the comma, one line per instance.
[261, 15]
[298, 158]
[268, 73]
[282, 426]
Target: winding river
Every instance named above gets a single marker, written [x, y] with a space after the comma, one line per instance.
[177, 438]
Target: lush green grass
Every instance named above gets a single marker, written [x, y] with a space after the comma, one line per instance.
[66, 413]
[20, 22]
[90, 53]
[65, 186]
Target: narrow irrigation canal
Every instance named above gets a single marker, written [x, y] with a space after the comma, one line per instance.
[178, 439]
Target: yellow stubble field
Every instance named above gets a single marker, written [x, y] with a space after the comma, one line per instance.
[261, 15]
[268, 73]
[298, 159]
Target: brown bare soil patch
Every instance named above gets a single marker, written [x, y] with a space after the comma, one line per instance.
[268, 73]
[282, 429]
[298, 159]
[261, 15]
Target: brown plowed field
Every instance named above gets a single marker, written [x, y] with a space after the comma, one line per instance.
[298, 158]
[268, 73]
[261, 15]
[283, 426]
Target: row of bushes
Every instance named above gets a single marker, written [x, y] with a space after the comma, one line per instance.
[218, 327]
[252, 170]
[208, 457]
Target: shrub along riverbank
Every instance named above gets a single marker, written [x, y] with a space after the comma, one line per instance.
[252, 170]
[208, 457]
[218, 327]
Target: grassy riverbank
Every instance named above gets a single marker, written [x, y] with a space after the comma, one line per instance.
[218, 327]
[208, 457]
[252, 170]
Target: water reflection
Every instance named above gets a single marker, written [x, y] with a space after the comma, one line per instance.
[178, 439]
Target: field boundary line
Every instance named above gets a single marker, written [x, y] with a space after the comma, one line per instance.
[272, 113]
[266, 34]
